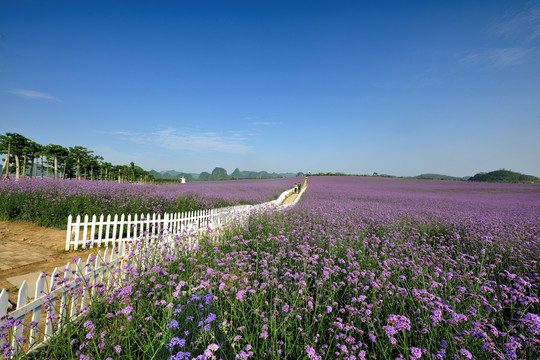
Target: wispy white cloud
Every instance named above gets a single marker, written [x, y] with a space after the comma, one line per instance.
[518, 32]
[523, 23]
[32, 94]
[251, 117]
[200, 142]
[115, 156]
[495, 59]
[264, 123]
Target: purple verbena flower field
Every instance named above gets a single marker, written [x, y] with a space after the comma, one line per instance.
[361, 268]
[49, 202]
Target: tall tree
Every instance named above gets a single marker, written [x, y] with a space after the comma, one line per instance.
[33, 149]
[94, 162]
[81, 156]
[107, 168]
[55, 152]
[16, 144]
[6, 161]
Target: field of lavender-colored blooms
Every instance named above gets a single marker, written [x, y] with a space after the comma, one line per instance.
[49, 202]
[361, 268]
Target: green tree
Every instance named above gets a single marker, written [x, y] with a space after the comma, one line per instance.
[93, 162]
[55, 152]
[16, 145]
[105, 170]
[82, 158]
[33, 149]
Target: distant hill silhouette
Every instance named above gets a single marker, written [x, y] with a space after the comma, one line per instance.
[218, 174]
[504, 176]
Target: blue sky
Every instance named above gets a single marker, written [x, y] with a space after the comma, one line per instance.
[396, 87]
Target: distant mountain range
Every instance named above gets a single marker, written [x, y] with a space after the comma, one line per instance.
[504, 176]
[219, 174]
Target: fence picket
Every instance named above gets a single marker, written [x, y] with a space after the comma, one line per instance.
[97, 265]
[3, 312]
[100, 230]
[75, 297]
[51, 311]
[148, 223]
[76, 229]
[80, 275]
[62, 316]
[107, 229]
[122, 223]
[85, 231]
[93, 229]
[106, 262]
[68, 233]
[139, 225]
[21, 301]
[36, 312]
[134, 226]
[128, 231]
[115, 227]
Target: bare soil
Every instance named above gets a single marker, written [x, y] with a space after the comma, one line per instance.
[26, 249]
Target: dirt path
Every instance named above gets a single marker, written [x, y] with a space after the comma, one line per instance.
[290, 199]
[26, 250]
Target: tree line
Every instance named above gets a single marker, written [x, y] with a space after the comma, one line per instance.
[27, 158]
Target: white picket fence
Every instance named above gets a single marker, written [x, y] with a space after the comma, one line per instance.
[61, 297]
[105, 231]
[69, 291]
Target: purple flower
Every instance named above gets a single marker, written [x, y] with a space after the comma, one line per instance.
[311, 353]
[416, 353]
[465, 353]
[240, 295]
[176, 341]
[127, 310]
[172, 325]
[532, 323]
